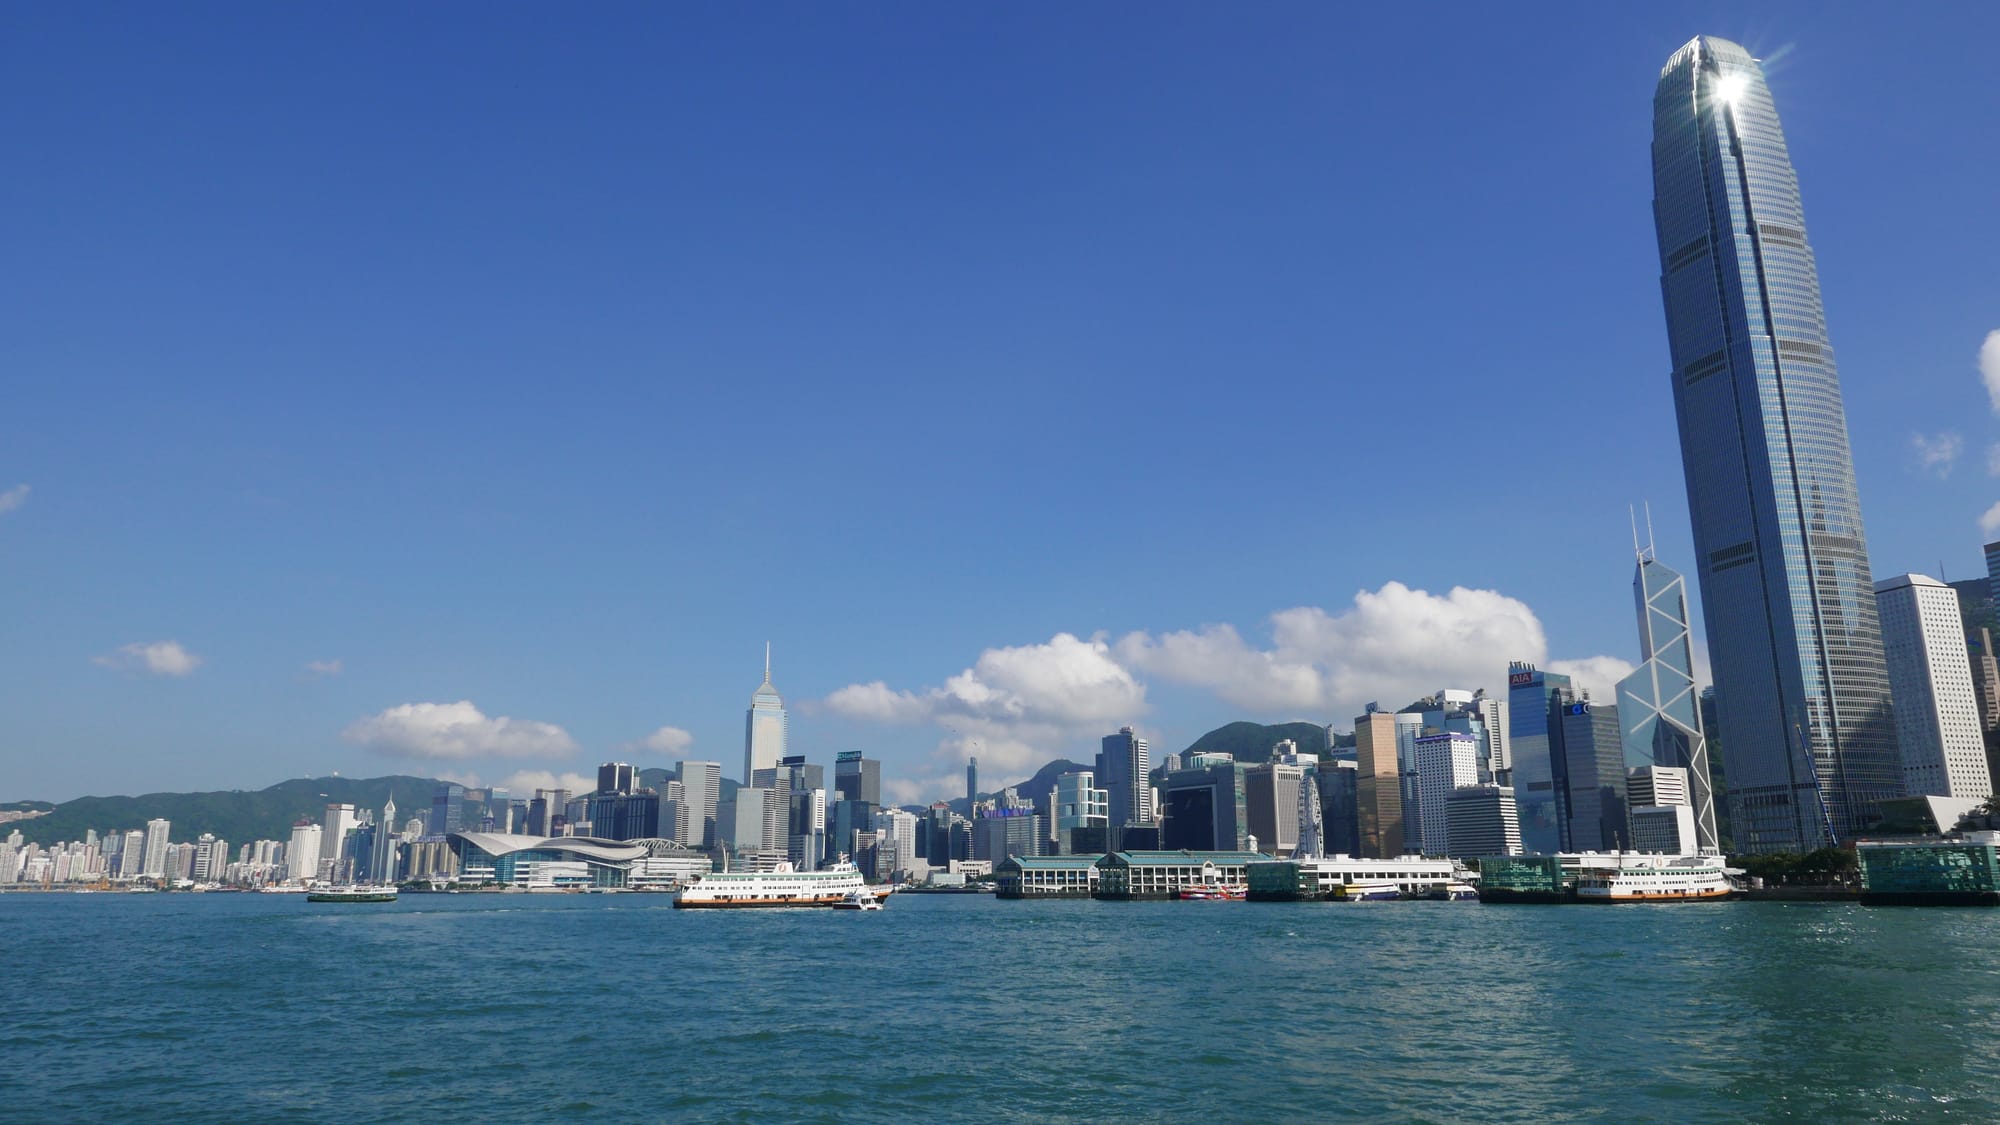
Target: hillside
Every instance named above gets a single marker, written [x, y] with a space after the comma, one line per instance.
[236, 815]
[1252, 742]
[1036, 789]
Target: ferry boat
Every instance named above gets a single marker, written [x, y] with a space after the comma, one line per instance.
[780, 887]
[1675, 883]
[1367, 892]
[352, 894]
[1213, 893]
[1453, 892]
[859, 900]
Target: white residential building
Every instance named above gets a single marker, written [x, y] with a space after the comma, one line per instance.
[1446, 761]
[339, 818]
[302, 854]
[701, 786]
[156, 848]
[1930, 679]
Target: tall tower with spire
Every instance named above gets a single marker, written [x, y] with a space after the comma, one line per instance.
[385, 845]
[1659, 704]
[764, 726]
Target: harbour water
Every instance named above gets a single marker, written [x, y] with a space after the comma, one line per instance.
[616, 1008]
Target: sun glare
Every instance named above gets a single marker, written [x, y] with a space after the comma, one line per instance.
[1730, 87]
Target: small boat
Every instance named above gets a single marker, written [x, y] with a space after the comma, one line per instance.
[352, 894]
[1367, 892]
[859, 900]
[1213, 892]
[1452, 892]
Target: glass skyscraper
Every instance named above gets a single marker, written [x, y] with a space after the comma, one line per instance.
[1786, 592]
[1532, 698]
[1657, 704]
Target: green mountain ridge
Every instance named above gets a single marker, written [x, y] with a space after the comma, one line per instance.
[236, 815]
[1252, 742]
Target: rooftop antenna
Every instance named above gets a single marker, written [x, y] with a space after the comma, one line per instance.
[1645, 553]
[767, 662]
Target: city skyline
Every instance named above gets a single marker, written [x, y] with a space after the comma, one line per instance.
[624, 447]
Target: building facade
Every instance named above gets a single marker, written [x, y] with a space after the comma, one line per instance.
[1481, 820]
[1271, 804]
[1124, 769]
[1659, 708]
[1205, 808]
[1447, 761]
[765, 727]
[1938, 729]
[1378, 789]
[856, 778]
[1782, 557]
[1533, 738]
[1590, 782]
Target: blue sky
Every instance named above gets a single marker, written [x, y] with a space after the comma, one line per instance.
[1009, 368]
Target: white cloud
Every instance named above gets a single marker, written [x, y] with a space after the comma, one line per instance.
[320, 669]
[14, 497]
[1937, 455]
[1014, 705]
[1216, 657]
[1598, 674]
[1391, 646]
[666, 740]
[1989, 367]
[523, 783]
[455, 731]
[878, 703]
[1990, 522]
[160, 658]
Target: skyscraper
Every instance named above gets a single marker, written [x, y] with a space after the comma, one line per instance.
[1447, 761]
[333, 840]
[1378, 790]
[1786, 594]
[302, 853]
[1531, 705]
[156, 848]
[764, 727]
[701, 787]
[1271, 802]
[1590, 775]
[1481, 820]
[384, 855]
[971, 784]
[620, 777]
[856, 778]
[1937, 710]
[1124, 769]
[1657, 706]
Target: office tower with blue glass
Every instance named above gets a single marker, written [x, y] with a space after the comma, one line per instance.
[1536, 743]
[1787, 597]
[1658, 705]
